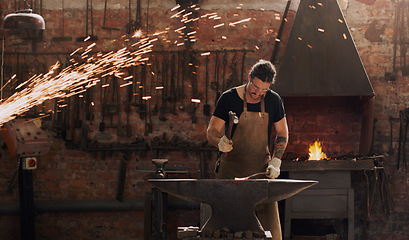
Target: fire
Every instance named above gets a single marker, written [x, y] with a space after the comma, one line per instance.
[316, 152]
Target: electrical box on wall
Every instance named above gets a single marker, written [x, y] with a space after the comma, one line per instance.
[26, 138]
[29, 163]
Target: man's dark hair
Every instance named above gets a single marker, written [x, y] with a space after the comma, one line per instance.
[263, 70]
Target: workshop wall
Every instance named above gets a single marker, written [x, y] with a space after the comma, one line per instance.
[84, 162]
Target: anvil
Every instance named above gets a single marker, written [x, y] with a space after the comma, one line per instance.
[233, 202]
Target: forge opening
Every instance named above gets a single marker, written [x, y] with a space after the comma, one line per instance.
[318, 229]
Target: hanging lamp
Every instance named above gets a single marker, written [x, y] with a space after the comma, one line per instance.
[24, 19]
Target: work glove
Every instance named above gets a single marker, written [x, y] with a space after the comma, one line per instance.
[225, 144]
[273, 168]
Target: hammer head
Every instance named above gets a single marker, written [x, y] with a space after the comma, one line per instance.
[233, 117]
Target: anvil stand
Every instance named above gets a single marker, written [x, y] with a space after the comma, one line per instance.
[25, 182]
[160, 202]
[156, 201]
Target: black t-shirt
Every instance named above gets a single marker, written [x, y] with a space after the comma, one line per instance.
[230, 101]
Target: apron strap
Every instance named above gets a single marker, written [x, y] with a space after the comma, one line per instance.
[244, 99]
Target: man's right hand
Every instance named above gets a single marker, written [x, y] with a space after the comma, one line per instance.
[225, 144]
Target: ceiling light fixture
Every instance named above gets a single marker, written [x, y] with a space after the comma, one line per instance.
[24, 19]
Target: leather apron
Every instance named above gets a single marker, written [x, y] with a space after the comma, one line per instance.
[250, 155]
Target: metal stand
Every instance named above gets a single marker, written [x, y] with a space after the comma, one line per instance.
[27, 224]
[156, 206]
[160, 200]
[156, 201]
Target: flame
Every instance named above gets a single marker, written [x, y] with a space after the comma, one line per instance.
[316, 151]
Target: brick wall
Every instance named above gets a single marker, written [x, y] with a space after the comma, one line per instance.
[334, 121]
[69, 173]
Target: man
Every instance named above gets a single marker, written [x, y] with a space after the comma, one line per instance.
[259, 110]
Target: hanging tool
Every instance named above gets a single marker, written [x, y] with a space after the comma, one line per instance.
[163, 108]
[111, 107]
[195, 98]
[91, 37]
[147, 18]
[172, 94]
[119, 126]
[195, 74]
[89, 115]
[280, 31]
[138, 16]
[242, 66]
[156, 67]
[78, 108]
[215, 84]
[84, 124]
[206, 106]
[149, 124]
[122, 176]
[185, 70]
[62, 38]
[391, 150]
[103, 93]
[224, 71]
[134, 25]
[128, 104]
[403, 128]
[234, 76]
[145, 104]
[378, 184]
[65, 123]
[135, 85]
[178, 74]
[105, 17]
[142, 104]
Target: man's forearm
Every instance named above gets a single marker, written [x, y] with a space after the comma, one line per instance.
[279, 146]
[213, 136]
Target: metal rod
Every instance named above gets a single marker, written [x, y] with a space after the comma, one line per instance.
[280, 30]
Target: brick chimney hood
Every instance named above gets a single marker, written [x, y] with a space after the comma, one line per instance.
[321, 58]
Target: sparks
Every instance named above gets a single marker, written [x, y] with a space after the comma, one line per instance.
[125, 84]
[218, 25]
[241, 21]
[72, 80]
[87, 68]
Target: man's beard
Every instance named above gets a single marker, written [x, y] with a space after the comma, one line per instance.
[254, 96]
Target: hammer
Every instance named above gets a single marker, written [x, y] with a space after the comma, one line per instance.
[233, 120]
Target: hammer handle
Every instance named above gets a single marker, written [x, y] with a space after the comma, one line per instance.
[229, 132]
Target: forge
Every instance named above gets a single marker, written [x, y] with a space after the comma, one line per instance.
[233, 202]
[328, 97]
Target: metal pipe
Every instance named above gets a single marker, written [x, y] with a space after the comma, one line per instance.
[93, 205]
[368, 106]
